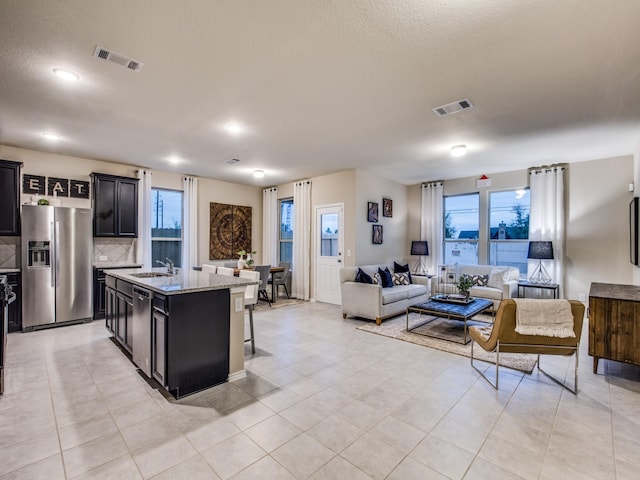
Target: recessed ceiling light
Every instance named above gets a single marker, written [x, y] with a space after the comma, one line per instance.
[234, 127]
[258, 173]
[66, 74]
[458, 150]
[173, 159]
[51, 136]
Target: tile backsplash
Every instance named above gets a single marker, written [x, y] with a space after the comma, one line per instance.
[116, 250]
[9, 252]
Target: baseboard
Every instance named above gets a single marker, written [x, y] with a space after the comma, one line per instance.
[237, 375]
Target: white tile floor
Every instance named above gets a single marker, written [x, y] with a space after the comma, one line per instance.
[322, 400]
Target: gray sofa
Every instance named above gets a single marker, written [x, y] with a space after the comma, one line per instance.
[501, 288]
[374, 302]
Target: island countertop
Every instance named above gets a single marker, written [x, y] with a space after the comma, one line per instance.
[185, 281]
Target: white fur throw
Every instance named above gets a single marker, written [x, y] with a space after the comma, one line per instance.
[549, 318]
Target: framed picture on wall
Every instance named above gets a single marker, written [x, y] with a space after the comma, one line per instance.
[387, 207]
[372, 212]
[376, 238]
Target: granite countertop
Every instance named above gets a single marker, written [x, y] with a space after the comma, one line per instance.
[116, 265]
[4, 271]
[188, 281]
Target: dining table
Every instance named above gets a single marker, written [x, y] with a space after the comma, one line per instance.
[272, 270]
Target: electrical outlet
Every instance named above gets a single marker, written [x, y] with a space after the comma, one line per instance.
[239, 305]
[103, 258]
[582, 297]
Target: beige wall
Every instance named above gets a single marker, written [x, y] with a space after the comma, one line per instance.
[597, 247]
[597, 234]
[209, 190]
[395, 245]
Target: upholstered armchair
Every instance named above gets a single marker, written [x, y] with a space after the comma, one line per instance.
[503, 338]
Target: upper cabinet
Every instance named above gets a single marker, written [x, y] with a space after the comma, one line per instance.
[10, 198]
[115, 206]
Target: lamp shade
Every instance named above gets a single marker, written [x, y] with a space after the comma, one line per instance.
[540, 250]
[419, 248]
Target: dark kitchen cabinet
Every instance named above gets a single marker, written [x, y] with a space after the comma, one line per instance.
[110, 309]
[15, 308]
[190, 344]
[100, 290]
[115, 206]
[119, 311]
[159, 346]
[99, 293]
[10, 198]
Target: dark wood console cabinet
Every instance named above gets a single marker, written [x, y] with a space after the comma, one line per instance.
[614, 323]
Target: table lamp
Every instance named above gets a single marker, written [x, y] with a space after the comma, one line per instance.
[540, 251]
[421, 249]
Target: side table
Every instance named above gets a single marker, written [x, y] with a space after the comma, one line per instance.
[523, 285]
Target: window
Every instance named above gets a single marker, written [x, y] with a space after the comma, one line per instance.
[461, 228]
[286, 230]
[166, 226]
[509, 228]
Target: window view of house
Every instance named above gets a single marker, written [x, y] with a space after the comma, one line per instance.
[166, 226]
[461, 228]
[285, 252]
[509, 228]
[329, 234]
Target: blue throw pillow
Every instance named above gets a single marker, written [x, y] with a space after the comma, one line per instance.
[387, 279]
[363, 277]
[397, 268]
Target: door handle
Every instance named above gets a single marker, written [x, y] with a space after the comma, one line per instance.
[339, 261]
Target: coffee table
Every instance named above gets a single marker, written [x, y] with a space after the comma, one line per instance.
[450, 311]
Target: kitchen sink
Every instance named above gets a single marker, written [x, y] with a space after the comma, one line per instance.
[150, 274]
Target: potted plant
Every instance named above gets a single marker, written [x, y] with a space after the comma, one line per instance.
[250, 261]
[464, 284]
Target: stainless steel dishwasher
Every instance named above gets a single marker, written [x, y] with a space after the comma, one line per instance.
[141, 348]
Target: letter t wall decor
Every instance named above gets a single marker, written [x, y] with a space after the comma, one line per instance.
[229, 230]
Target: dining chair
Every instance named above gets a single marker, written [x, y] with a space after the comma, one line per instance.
[281, 279]
[250, 299]
[225, 271]
[264, 281]
[209, 268]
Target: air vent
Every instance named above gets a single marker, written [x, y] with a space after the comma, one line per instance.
[232, 161]
[118, 59]
[453, 107]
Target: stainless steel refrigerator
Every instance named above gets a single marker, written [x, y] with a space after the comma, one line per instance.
[57, 253]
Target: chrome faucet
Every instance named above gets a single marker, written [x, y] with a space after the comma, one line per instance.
[170, 267]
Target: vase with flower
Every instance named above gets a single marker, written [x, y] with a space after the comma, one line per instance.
[241, 262]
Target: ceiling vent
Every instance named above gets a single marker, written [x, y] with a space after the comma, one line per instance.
[232, 161]
[116, 58]
[453, 107]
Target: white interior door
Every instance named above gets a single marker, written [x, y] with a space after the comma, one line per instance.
[329, 242]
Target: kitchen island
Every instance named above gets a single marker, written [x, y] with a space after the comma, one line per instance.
[185, 330]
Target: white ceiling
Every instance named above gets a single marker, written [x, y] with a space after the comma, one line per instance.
[324, 85]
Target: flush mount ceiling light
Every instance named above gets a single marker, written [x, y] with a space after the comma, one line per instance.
[258, 173]
[66, 74]
[51, 136]
[234, 127]
[174, 160]
[458, 150]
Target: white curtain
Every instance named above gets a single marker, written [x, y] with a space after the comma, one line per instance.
[190, 223]
[143, 245]
[270, 226]
[431, 223]
[547, 217]
[301, 240]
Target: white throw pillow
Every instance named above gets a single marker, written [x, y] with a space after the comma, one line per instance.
[497, 277]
